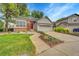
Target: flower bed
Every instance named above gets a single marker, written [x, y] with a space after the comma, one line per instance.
[51, 41]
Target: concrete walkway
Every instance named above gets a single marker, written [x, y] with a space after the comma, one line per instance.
[70, 47]
[39, 44]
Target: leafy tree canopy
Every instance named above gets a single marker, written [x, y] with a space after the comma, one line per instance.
[10, 10]
[37, 14]
[23, 10]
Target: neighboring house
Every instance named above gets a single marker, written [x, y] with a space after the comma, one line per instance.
[30, 23]
[10, 24]
[71, 22]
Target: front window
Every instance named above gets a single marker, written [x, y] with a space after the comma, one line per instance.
[75, 20]
[21, 23]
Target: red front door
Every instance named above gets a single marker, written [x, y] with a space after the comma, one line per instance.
[31, 24]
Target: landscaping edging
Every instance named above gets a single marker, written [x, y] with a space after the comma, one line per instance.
[40, 45]
[74, 34]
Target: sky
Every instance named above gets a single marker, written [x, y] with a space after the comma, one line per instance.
[55, 11]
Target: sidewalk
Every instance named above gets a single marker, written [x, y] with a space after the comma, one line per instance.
[39, 44]
[65, 49]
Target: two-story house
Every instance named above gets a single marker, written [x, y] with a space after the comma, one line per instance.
[71, 22]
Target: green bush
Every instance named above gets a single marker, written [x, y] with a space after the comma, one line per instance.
[1, 30]
[66, 30]
[10, 29]
[61, 29]
[1, 26]
[50, 38]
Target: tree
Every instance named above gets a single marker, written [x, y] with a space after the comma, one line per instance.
[8, 10]
[23, 10]
[37, 14]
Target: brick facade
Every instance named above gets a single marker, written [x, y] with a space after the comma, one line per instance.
[29, 25]
[20, 29]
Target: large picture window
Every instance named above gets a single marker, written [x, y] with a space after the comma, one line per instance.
[21, 23]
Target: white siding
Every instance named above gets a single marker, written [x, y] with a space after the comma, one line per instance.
[72, 27]
[11, 25]
[73, 19]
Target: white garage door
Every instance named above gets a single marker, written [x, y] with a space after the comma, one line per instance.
[44, 28]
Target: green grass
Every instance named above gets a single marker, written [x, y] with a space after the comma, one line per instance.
[16, 44]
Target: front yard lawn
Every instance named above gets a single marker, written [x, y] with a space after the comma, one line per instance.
[16, 44]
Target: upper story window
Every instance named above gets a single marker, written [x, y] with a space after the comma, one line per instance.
[20, 23]
[75, 20]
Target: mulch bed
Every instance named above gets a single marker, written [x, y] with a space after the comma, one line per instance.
[52, 42]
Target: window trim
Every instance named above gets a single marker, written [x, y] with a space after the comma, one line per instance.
[20, 23]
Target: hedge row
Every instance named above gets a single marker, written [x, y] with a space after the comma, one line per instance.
[11, 29]
[61, 29]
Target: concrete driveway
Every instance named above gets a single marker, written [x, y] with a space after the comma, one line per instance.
[70, 47]
[64, 37]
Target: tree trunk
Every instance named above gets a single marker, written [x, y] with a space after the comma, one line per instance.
[7, 18]
[6, 25]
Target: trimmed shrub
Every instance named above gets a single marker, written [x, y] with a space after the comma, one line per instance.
[1, 30]
[1, 26]
[61, 29]
[66, 30]
[11, 29]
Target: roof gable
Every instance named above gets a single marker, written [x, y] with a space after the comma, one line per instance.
[65, 18]
[44, 20]
[25, 18]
